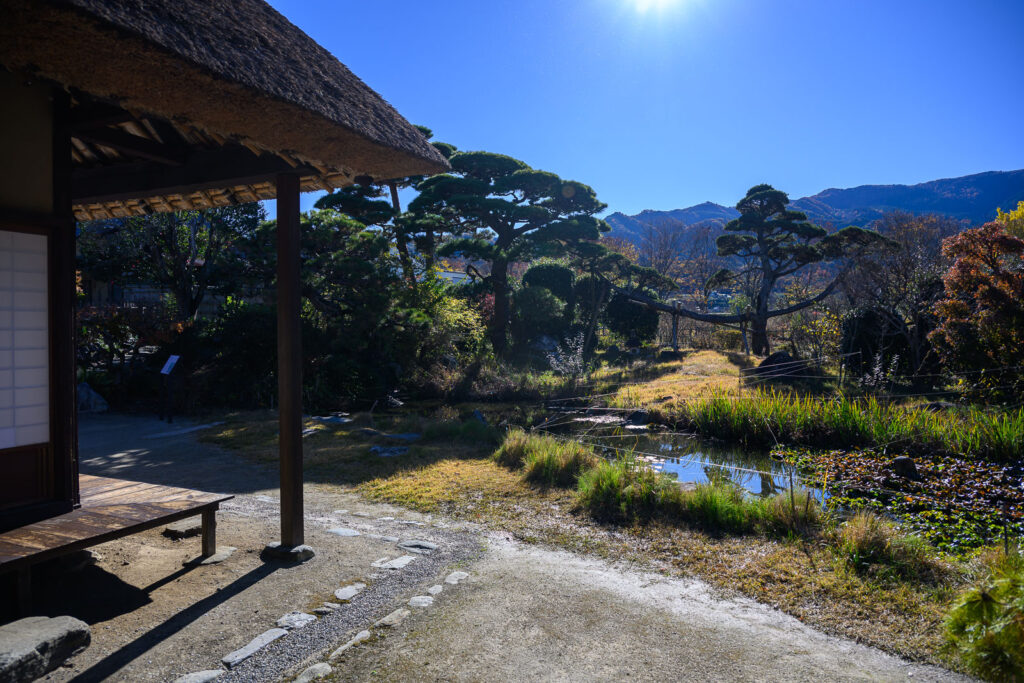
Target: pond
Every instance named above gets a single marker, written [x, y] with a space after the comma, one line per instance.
[687, 457]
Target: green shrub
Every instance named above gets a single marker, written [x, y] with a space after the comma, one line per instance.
[986, 625]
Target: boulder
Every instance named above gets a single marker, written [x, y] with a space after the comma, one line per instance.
[905, 467]
[31, 648]
[639, 418]
[89, 401]
[780, 364]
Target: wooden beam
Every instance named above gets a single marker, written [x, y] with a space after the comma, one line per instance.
[289, 359]
[133, 145]
[96, 115]
[204, 169]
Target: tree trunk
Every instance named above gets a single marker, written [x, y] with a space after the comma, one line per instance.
[759, 336]
[499, 324]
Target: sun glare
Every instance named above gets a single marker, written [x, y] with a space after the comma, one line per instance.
[653, 5]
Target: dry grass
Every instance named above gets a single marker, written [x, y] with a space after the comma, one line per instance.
[699, 373]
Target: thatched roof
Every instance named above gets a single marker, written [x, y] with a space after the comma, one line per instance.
[231, 70]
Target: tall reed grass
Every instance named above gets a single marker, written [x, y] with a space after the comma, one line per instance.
[775, 417]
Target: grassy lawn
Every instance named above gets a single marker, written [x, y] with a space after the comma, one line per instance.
[451, 471]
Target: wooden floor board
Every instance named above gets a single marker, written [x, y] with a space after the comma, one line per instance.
[111, 508]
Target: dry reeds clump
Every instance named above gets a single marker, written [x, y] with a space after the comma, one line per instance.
[867, 541]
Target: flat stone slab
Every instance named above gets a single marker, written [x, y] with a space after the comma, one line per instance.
[389, 451]
[397, 563]
[389, 539]
[186, 528]
[394, 619]
[342, 531]
[183, 430]
[418, 546]
[421, 601]
[294, 620]
[385, 519]
[315, 672]
[434, 590]
[31, 648]
[199, 676]
[276, 551]
[411, 522]
[357, 639]
[346, 593]
[223, 553]
[255, 645]
[454, 578]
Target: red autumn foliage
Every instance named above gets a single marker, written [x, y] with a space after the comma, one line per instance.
[981, 335]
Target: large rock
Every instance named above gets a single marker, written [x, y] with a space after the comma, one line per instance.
[89, 401]
[31, 648]
[779, 364]
[904, 467]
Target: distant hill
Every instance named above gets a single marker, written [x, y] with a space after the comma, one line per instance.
[971, 198]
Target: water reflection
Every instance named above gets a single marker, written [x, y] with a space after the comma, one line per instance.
[690, 458]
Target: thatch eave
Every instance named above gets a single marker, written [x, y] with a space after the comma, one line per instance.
[188, 62]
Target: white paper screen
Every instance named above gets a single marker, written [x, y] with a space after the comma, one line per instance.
[24, 340]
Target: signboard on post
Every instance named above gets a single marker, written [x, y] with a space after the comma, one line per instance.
[167, 389]
[169, 365]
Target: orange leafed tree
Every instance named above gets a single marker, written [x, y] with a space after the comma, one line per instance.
[981, 331]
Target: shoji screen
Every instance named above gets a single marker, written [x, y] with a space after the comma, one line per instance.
[24, 340]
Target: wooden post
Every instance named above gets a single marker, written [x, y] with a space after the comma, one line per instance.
[675, 328]
[289, 359]
[209, 532]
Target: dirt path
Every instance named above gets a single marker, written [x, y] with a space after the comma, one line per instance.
[524, 613]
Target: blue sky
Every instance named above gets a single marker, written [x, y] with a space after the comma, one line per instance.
[662, 104]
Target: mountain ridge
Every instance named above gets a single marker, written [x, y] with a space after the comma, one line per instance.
[971, 198]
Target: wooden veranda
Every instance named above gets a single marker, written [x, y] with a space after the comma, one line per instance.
[110, 509]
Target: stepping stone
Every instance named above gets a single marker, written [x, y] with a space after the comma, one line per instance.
[199, 676]
[417, 546]
[357, 639]
[346, 593]
[434, 590]
[276, 551]
[342, 531]
[255, 645]
[186, 528]
[322, 611]
[294, 620]
[394, 619]
[389, 451]
[223, 553]
[361, 514]
[454, 578]
[385, 519]
[315, 672]
[32, 647]
[340, 512]
[397, 563]
[421, 601]
[411, 522]
[332, 606]
[389, 539]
